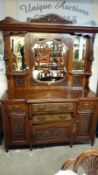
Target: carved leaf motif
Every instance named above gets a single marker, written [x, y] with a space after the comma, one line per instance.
[10, 20]
[50, 18]
[50, 133]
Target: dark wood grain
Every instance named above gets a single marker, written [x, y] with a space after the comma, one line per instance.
[35, 113]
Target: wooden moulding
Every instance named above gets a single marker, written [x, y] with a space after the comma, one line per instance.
[49, 23]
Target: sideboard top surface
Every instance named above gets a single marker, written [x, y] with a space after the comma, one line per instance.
[58, 95]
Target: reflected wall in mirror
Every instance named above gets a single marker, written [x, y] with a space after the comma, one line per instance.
[18, 52]
[49, 55]
[79, 52]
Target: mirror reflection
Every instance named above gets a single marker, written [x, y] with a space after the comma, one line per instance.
[18, 53]
[79, 52]
[49, 55]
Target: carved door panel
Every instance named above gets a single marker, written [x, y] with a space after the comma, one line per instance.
[87, 112]
[51, 133]
[17, 121]
[85, 123]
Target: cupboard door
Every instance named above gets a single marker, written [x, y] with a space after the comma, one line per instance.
[51, 133]
[85, 123]
[87, 127]
[17, 123]
[87, 113]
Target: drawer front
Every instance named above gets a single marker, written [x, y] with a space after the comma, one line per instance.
[53, 107]
[44, 118]
[86, 106]
[17, 108]
[51, 133]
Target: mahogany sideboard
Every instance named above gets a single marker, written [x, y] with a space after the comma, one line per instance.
[48, 66]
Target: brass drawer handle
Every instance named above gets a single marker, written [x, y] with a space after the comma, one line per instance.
[87, 105]
[41, 107]
[41, 118]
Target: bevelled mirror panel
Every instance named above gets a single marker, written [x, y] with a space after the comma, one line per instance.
[18, 52]
[49, 52]
[79, 52]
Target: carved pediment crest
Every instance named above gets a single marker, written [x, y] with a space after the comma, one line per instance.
[50, 18]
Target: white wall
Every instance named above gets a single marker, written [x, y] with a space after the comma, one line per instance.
[94, 77]
[10, 9]
[3, 80]
[1, 9]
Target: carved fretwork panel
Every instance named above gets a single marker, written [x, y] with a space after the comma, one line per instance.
[17, 123]
[17, 128]
[51, 133]
[85, 123]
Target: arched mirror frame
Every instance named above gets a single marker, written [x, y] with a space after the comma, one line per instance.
[70, 72]
[65, 59]
[51, 19]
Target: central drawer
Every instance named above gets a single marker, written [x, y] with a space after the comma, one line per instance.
[53, 107]
[44, 118]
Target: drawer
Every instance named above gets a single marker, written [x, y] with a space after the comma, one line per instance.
[14, 109]
[53, 107]
[51, 133]
[86, 106]
[44, 118]
[16, 106]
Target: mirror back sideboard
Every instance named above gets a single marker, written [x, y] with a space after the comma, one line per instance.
[48, 67]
